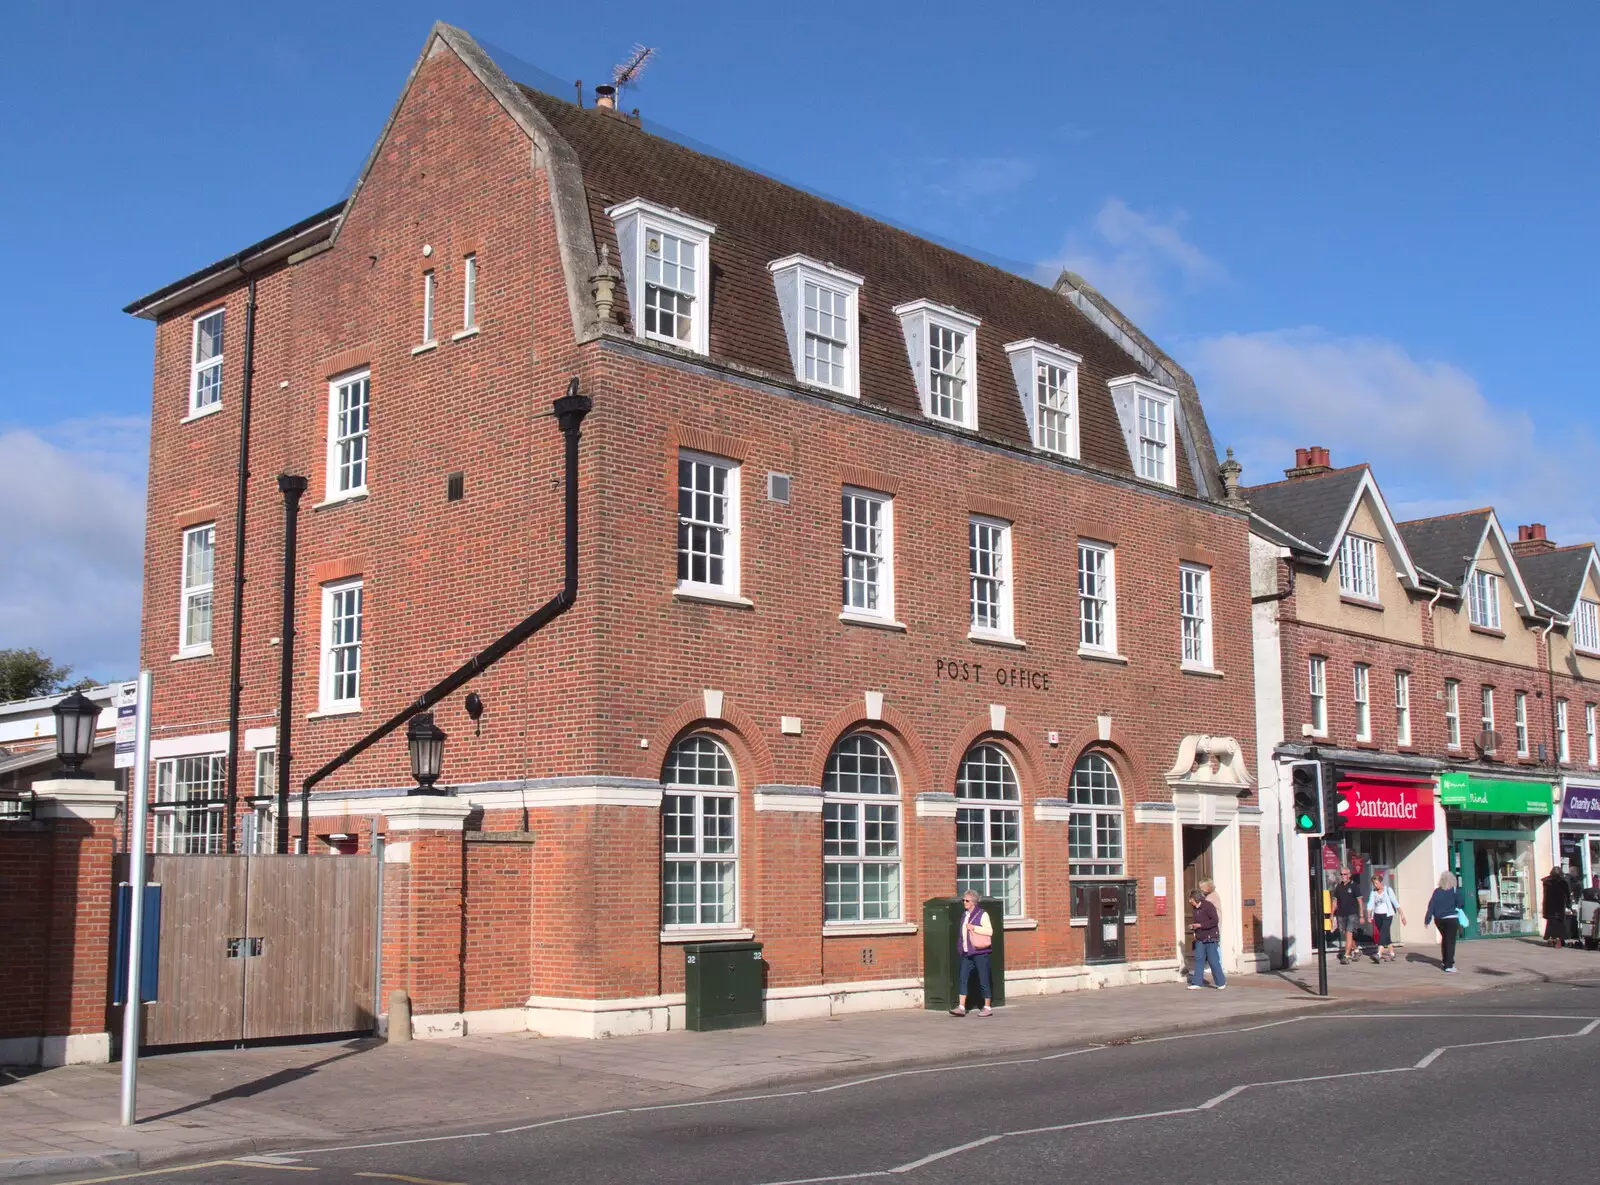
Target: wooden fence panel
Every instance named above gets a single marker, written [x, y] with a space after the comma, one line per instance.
[202, 987]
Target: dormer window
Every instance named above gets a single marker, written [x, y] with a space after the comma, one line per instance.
[1047, 383]
[818, 302]
[1358, 568]
[666, 266]
[1148, 413]
[1586, 626]
[1483, 599]
[942, 346]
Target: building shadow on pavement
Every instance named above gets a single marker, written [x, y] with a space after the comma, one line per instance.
[268, 1082]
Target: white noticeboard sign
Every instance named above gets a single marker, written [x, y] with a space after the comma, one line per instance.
[127, 704]
[1161, 886]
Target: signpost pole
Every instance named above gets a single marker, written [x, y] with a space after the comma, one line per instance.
[132, 1003]
[1319, 919]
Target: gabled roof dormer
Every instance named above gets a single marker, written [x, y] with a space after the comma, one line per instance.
[1047, 385]
[819, 304]
[666, 268]
[1492, 538]
[1149, 415]
[942, 344]
[1367, 495]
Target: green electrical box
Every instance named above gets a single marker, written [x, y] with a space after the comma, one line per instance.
[941, 954]
[723, 985]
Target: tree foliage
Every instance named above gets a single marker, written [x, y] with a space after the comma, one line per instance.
[27, 673]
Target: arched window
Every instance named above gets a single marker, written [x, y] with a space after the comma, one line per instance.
[989, 827]
[860, 833]
[699, 836]
[1094, 833]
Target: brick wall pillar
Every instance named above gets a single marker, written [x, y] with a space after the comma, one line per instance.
[83, 816]
[786, 884]
[934, 852]
[424, 833]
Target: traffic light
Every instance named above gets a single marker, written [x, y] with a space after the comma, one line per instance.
[1305, 780]
[1336, 806]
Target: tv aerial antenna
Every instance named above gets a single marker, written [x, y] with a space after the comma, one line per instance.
[627, 73]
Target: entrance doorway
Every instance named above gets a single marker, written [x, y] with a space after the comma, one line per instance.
[1197, 859]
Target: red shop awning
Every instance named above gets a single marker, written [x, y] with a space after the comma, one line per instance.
[1388, 804]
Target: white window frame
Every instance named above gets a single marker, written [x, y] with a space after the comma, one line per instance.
[334, 697]
[1483, 599]
[1586, 626]
[430, 285]
[700, 794]
[1520, 721]
[1317, 690]
[861, 830]
[988, 821]
[187, 644]
[260, 831]
[355, 441]
[191, 830]
[1097, 597]
[729, 530]
[791, 275]
[208, 367]
[469, 291]
[1486, 708]
[919, 320]
[1590, 734]
[1402, 707]
[853, 559]
[1030, 359]
[1563, 738]
[1452, 713]
[1095, 820]
[1361, 693]
[636, 221]
[1126, 393]
[1194, 617]
[1000, 576]
[1358, 568]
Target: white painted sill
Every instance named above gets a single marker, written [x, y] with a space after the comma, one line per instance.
[1102, 655]
[711, 596]
[424, 348]
[470, 331]
[707, 934]
[876, 623]
[334, 713]
[212, 410]
[866, 929]
[1204, 672]
[1004, 641]
[194, 652]
[341, 499]
[1019, 923]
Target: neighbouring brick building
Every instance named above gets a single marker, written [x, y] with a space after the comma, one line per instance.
[898, 572]
[1448, 674]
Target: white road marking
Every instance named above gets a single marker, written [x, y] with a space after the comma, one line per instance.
[1021, 1061]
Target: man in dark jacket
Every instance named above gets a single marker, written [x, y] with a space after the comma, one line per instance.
[1207, 930]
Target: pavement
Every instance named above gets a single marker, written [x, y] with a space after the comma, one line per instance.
[238, 1102]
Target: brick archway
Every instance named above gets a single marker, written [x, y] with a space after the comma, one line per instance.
[980, 728]
[735, 728]
[1130, 768]
[894, 729]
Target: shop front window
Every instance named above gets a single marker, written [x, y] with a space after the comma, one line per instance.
[1507, 891]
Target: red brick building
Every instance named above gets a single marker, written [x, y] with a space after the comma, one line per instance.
[1447, 674]
[897, 572]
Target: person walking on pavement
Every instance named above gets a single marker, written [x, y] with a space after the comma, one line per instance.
[1557, 898]
[1444, 911]
[1207, 927]
[1382, 906]
[977, 936]
[1347, 912]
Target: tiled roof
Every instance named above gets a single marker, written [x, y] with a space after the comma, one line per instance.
[1554, 578]
[759, 219]
[1446, 545]
[1311, 509]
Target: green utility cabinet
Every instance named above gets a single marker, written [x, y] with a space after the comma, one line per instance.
[941, 954]
[723, 985]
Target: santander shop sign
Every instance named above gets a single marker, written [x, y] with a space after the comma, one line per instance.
[1388, 805]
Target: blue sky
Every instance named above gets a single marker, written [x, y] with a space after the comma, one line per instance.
[1358, 226]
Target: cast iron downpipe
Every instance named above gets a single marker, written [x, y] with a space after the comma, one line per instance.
[291, 486]
[236, 645]
[569, 411]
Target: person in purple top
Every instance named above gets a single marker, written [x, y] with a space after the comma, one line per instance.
[1207, 928]
[974, 941]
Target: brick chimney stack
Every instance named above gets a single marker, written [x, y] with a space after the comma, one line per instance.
[1531, 540]
[1308, 462]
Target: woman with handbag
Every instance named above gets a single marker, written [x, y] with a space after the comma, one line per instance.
[977, 936]
[1445, 911]
[1382, 906]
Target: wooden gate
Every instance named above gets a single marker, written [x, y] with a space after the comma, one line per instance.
[263, 946]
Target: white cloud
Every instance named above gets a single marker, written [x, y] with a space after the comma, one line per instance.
[1136, 259]
[72, 541]
[1436, 442]
[964, 181]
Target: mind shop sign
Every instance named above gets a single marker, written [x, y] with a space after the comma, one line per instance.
[1388, 804]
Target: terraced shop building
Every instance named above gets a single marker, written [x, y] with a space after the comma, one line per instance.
[899, 573]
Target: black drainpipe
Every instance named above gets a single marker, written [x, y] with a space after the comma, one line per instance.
[569, 411]
[291, 486]
[236, 645]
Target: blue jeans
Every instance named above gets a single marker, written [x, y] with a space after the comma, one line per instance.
[980, 960]
[1207, 954]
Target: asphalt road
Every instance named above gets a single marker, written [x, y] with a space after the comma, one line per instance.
[1473, 1089]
